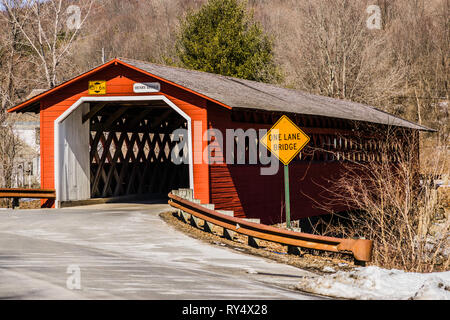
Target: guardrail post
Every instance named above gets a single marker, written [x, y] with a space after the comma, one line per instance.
[359, 263]
[253, 242]
[228, 234]
[15, 203]
[186, 217]
[207, 227]
[294, 250]
[195, 222]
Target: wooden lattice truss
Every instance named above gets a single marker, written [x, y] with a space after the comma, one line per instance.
[130, 149]
[334, 139]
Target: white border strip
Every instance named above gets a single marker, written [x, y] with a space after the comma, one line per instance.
[82, 100]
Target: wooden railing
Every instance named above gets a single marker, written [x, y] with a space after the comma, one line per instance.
[19, 193]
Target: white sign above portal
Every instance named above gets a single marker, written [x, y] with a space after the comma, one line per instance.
[146, 87]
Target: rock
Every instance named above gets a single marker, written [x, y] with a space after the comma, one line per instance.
[328, 269]
[439, 215]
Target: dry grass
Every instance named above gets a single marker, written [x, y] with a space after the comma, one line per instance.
[33, 204]
[394, 205]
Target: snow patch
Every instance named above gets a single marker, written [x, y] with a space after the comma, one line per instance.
[374, 283]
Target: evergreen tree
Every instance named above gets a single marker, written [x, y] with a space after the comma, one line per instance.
[222, 38]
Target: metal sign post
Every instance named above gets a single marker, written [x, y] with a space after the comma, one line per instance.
[285, 140]
[287, 199]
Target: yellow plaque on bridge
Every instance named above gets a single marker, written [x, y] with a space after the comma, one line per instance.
[285, 140]
[97, 87]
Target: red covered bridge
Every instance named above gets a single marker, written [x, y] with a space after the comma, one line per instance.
[108, 133]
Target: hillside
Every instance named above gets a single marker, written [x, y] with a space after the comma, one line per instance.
[321, 46]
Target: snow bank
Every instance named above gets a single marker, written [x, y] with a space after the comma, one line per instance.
[374, 283]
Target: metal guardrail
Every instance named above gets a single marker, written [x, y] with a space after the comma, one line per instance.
[18, 193]
[361, 249]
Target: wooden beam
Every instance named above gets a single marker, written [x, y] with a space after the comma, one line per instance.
[132, 126]
[114, 117]
[160, 119]
[93, 110]
[129, 156]
[143, 105]
[127, 128]
[100, 169]
[113, 170]
[140, 117]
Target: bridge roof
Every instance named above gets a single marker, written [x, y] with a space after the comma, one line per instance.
[234, 93]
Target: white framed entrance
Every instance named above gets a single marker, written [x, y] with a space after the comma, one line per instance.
[71, 146]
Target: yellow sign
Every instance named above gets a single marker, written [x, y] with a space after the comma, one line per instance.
[97, 87]
[285, 140]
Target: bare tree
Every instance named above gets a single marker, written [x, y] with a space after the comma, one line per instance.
[326, 48]
[9, 148]
[12, 65]
[144, 30]
[49, 28]
[9, 58]
[391, 201]
[37, 36]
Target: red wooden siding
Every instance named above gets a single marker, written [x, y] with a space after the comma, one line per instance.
[120, 82]
[244, 190]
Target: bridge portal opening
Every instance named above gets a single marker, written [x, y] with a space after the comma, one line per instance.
[110, 149]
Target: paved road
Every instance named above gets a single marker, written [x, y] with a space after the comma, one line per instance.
[126, 251]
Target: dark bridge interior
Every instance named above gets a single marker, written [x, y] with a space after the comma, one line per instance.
[130, 149]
